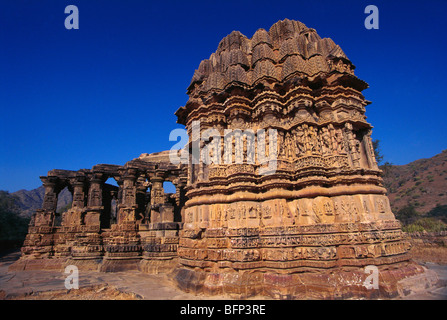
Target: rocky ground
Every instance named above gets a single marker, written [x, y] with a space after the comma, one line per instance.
[50, 285]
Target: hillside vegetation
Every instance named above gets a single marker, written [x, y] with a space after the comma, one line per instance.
[418, 192]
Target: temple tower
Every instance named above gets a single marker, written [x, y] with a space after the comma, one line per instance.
[287, 198]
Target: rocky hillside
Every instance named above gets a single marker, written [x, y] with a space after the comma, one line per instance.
[421, 184]
[30, 200]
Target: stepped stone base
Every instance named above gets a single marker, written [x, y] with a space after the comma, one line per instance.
[39, 264]
[119, 265]
[154, 266]
[330, 284]
[158, 266]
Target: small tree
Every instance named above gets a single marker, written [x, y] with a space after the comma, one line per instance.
[440, 212]
[377, 151]
[407, 214]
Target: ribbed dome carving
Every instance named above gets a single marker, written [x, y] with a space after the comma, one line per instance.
[264, 68]
[261, 36]
[262, 51]
[238, 57]
[293, 64]
[289, 47]
[216, 80]
[285, 29]
[237, 73]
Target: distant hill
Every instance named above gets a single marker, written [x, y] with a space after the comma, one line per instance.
[15, 211]
[421, 184]
[30, 200]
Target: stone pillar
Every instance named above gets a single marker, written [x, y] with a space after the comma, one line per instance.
[73, 218]
[180, 194]
[78, 184]
[45, 216]
[160, 237]
[108, 195]
[50, 198]
[128, 205]
[95, 206]
[65, 243]
[122, 244]
[167, 213]
[141, 189]
[157, 198]
[40, 238]
[87, 242]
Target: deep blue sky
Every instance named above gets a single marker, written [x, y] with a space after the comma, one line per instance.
[107, 92]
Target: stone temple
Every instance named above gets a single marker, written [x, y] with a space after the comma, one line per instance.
[306, 229]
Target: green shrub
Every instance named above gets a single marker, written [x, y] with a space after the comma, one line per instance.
[413, 228]
[407, 214]
[426, 224]
[440, 212]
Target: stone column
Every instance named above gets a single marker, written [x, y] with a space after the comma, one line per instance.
[40, 238]
[45, 216]
[141, 189]
[122, 244]
[88, 243]
[73, 217]
[50, 198]
[78, 184]
[128, 205]
[95, 206]
[157, 197]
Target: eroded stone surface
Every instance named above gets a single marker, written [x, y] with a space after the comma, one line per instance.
[309, 227]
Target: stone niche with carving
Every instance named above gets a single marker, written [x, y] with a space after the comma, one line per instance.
[309, 227]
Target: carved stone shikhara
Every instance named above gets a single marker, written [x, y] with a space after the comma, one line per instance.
[306, 229]
[310, 227]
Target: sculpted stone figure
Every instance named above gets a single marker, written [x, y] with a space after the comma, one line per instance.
[354, 146]
[300, 141]
[326, 144]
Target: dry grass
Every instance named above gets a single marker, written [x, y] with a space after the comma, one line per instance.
[435, 254]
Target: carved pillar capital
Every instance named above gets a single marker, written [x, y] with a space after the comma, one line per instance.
[50, 197]
[79, 186]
